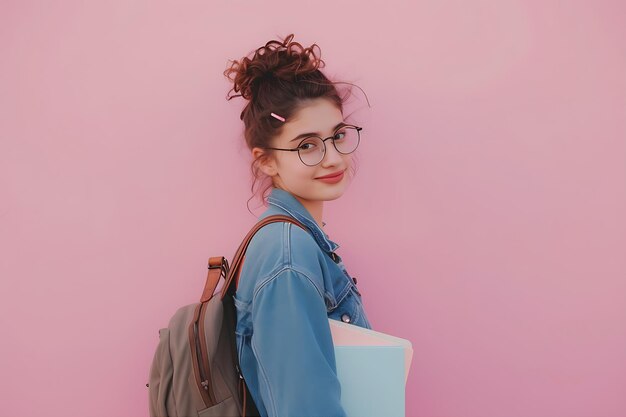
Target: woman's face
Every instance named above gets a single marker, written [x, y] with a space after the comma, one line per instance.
[287, 170]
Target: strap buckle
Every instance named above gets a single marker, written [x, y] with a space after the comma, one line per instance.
[223, 265]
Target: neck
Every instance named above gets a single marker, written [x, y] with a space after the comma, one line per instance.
[314, 207]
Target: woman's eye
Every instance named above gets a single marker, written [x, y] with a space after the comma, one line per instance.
[307, 146]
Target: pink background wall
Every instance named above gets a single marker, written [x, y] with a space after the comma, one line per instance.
[492, 183]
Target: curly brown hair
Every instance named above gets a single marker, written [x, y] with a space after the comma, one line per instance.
[281, 77]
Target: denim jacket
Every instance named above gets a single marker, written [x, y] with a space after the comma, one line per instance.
[291, 282]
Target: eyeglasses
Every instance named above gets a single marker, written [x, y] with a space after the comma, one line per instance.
[312, 149]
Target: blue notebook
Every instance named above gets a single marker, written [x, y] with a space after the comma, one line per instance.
[372, 369]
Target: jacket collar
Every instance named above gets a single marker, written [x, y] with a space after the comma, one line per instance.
[281, 200]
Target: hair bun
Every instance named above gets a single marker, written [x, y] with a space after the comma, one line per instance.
[276, 60]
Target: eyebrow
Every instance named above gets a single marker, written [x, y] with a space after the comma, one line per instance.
[306, 135]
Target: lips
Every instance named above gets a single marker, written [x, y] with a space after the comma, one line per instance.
[333, 175]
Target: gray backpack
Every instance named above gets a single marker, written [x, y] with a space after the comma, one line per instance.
[195, 370]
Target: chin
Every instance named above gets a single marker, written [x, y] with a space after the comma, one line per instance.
[323, 195]
[334, 194]
[333, 197]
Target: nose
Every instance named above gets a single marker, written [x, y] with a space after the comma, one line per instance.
[332, 156]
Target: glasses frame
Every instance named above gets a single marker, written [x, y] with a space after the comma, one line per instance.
[297, 149]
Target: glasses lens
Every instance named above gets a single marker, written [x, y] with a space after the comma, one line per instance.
[311, 151]
[346, 139]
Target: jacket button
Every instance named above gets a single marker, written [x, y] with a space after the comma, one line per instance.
[345, 318]
[354, 279]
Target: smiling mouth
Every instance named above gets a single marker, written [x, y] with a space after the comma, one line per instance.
[331, 175]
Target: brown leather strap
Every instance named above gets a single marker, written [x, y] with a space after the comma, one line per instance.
[207, 397]
[233, 273]
[218, 266]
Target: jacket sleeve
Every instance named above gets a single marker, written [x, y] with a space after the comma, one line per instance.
[294, 349]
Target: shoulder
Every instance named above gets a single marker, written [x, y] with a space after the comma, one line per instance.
[283, 240]
[281, 245]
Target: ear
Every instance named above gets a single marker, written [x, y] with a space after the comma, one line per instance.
[266, 163]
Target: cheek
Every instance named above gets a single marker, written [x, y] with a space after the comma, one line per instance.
[350, 165]
[294, 169]
[348, 160]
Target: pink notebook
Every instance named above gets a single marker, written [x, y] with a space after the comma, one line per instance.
[346, 334]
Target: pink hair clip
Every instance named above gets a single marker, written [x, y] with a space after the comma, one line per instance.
[282, 119]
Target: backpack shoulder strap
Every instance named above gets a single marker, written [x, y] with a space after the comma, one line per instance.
[232, 278]
[218, 265]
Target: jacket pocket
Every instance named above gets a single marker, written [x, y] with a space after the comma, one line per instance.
[355, 288]
[331, 304]
[349, 309]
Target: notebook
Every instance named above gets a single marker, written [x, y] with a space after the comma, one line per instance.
[372, 368]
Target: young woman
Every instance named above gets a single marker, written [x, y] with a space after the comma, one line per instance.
[292, 279]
